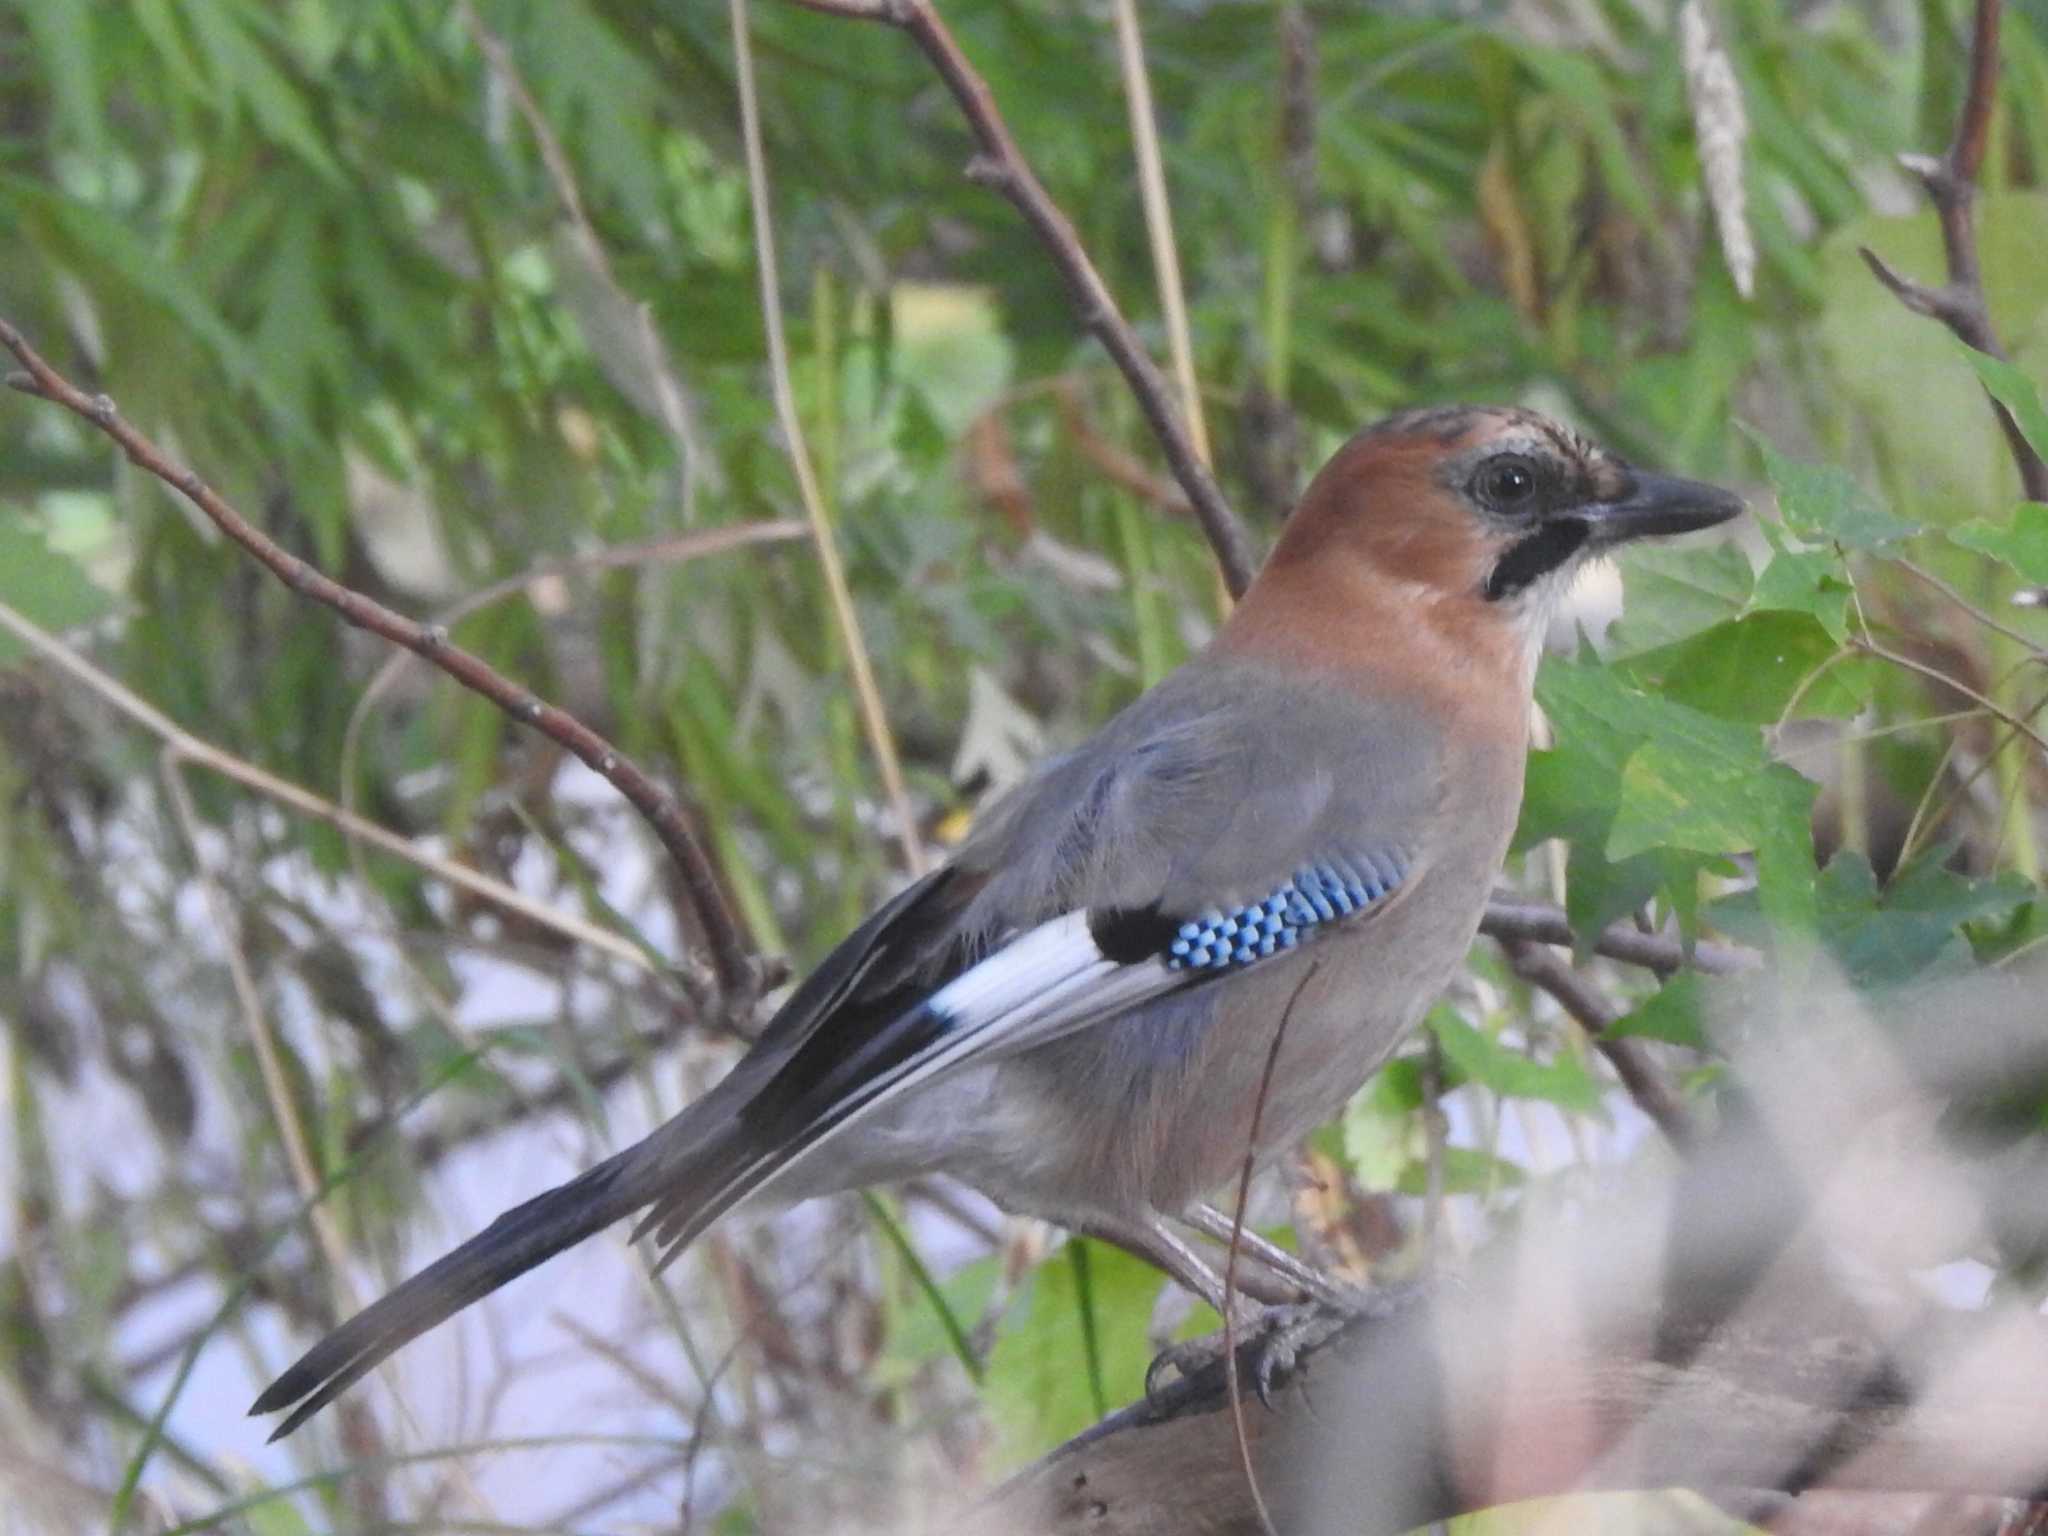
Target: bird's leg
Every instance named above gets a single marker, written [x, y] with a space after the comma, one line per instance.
[1150, 1239]
[1210, 1222]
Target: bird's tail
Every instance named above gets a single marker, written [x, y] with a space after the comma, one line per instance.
[525, 1236]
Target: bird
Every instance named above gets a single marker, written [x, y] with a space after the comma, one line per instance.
[1294, 833]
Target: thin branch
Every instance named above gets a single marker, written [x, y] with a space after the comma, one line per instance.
[731, 958]
[1951, 185]
[1509, 918]
[875, 720]
[669, 548]
[1001, 166]
[1928, 578]
[1935, 674]
[1543, 967]
[193, 749]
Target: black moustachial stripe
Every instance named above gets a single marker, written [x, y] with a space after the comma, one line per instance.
[1536, 555]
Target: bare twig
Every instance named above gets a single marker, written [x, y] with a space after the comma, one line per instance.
[1121, 467]
[1509, 918]
[731, 958]
[1001, 166]
[1934, 674]
[1541, 966]
[1928, 578]
[191, 748]
[875, 720]
[1950, 182]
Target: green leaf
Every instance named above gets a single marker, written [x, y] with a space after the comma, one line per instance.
[1822, 502]
[1379, 1127]
[1888, 935]
[1670, 592]
[1508, 1072]
[1885, 935]
[1670, 1014]
[242, 67]
[2016, 392]
[62, 32]
[49, 588]
[2021, 543]
[1466, 1171]
[1681, 780]
[1809, 581]
[1752, 668]
[1039, 1391]
[922, 1323]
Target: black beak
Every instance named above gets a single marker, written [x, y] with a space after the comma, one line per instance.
[1657, 505]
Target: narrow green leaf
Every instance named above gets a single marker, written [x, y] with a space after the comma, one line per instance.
[2017, 393]
[934, 1294]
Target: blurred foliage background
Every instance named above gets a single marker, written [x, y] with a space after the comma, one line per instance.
[459, 303]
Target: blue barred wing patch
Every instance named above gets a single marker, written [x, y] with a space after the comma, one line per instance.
[1323, 892]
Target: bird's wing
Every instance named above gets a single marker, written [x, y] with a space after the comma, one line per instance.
[1222, 820]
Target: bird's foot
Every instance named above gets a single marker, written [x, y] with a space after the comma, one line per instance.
[1268, 1355]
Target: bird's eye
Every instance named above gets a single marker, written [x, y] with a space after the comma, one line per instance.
[1507, 483]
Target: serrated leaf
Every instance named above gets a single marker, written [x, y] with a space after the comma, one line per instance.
[1509, 1073]
[1883, 935]
[2017, 393]
[2021, 543]
[50, 588]
[1822, 502]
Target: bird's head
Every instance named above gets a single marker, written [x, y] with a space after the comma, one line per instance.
[1472, 521]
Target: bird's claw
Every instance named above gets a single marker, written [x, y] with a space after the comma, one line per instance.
[1270, 1354]
[1184, 1360]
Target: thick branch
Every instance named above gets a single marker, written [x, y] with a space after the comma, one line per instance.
[1001, 166]
[1541, 966]
[1439, 1407]
[1509, 918]
[731, 957]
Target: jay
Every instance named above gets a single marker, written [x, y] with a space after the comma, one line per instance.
[1074, 1013]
